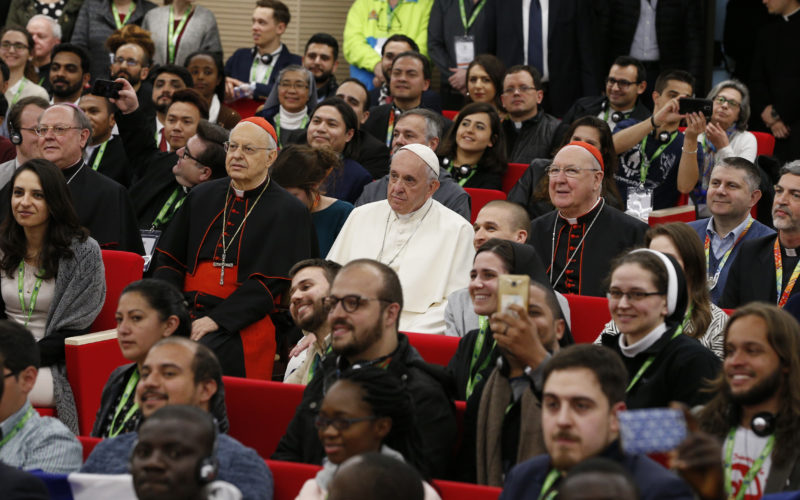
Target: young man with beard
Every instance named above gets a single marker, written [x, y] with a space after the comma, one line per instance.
[321, 59]
[363, 311]
[311, 283]
[133, 51]
[584, 390]
[167, 80]
[755, 407]
[69, 73]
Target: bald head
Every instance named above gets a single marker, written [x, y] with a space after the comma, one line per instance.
[501, 219]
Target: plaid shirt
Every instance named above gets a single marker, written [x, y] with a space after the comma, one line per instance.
[42, 443]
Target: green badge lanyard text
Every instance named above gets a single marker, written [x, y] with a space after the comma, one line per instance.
[468, 24]
[18, 427]
[253, 69]
[652, 358]
[18, 93]
[165, 214]
[647, 162]
[549, 481]
[474, 374]
[754, 469]
[20, 282]
[172, 37]
[126, 395]
[99, 158]
[122, 23]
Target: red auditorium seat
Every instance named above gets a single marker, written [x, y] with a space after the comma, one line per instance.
[90, 360]
[451, 490]
[88, 444]
[245, 107]
[450, 114]
[435, 349]
[512, 175]
[766, 143]
[289, 477]
[46, 412]
[589, 315]
[481, 197]
[680, 213]
[259, 411]
[121, 269]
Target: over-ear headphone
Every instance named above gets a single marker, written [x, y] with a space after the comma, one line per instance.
[265, 58]
[763, 424]
[14, 135]
[208, 467]
[663, 137]
[459, 171]
[616, 116]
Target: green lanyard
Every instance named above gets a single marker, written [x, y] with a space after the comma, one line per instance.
[277, 120]
[164, 215]
[127, 17]
[172, 38]
[313, 366]
[253, 71]
[474, 375]
[100, 152]
[549, 481]
[390, 15]
[645, 161]
[37, 285]
[18, 93]
[126, 395]
[18, 427]
[754, 469]
[652, 358]
[466, 179]
[468, 24]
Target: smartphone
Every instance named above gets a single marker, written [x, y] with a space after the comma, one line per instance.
[106, 88]
[651, 430]
[695, 105]
[512, 289]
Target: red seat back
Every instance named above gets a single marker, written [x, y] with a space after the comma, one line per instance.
[451, 490]
[450, 114]
[588, 315]
[512, 175]
[259, 411]
[435, 349]
[88, 368]
[45, 412]
[289, 477]
[481, 197]
[121, 269]
[765, 143]
[88, 444]
[245, 107]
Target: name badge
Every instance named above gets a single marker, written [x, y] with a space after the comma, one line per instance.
[640, 202]
[149, 241]
[465, 50]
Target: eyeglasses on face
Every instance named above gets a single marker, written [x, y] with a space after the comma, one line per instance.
[524, 89]
[632, 296]
[622, 84]
[128, 62]
[187, 155]
[19, 47]
[58, 130]
[293, 85]
[569, 171]
[232, 147]
[350, 303]
[322, 422]
[724, 100]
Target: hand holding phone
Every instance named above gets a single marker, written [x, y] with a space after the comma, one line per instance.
[688, 105]
[106, 88]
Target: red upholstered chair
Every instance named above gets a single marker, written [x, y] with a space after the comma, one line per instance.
[435, 349]
[589, 315]
[766, 143]
[481, 197]
[88, 444]
[46, 412]
[452, 490]
[681, 213]
[121, 269]
[450, 114]
[90, 360]
[289, 477]
[259, 411]
[245, 107]
[512, 175]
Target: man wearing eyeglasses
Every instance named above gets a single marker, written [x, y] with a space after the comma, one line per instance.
[22, 119]
[530, 132]
[626, 81]
[230, 248]
[364, 308]
[103, 205]
[578, 240]
[131, 61]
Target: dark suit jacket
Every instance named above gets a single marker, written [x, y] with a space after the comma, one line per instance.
[570, 52]
[19, 485]
[593, 105]
[114, 163]
[241, 62]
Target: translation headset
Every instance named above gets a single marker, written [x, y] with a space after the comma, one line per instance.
[662, 137]
[265, 58]
[616, 116]
[13, 134]
[459, 171]
[763, 424]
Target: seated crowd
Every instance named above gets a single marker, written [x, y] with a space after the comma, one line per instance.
[298, 229]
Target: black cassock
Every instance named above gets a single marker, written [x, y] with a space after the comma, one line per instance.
[612, 233]
[277, 234]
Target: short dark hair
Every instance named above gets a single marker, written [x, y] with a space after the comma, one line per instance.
[280, 12]
[623, 61]
[18, 347]
[349, 119]
[15, 113]
[367, 101]
[191, 96]
[426, 64]
[391, 289]
[537, 77]
[4, 70]
[79, 51]
[189, 414]
[174, 69]
[3, 106]
[164, 299]
[324, 39]
[400, 38]
[673, 74]
[378, 475]
[219, 90]
[213, 137]
[606, 365]
[502, 249]
[303, 167]
[752, 173]
[329, 268]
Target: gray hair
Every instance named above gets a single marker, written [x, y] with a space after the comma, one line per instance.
[54, 26]
[744, 108]
[433, 122]
[793, 167]
[298, 68]
[79, 118]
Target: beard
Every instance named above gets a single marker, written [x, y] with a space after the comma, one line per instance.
[62, 88]
[359, 341]
[759, 393]
[323, 78]
[162, 107]
[133, 80]
[317, 318]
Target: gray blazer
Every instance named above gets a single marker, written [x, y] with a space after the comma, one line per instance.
[201, 33]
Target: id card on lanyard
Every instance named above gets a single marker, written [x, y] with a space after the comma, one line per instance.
[465, 45]
[149, 241]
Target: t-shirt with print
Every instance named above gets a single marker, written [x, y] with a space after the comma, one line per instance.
[746, 449]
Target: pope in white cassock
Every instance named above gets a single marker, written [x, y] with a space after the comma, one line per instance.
[428, 245]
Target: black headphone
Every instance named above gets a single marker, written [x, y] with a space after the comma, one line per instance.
[616, 116]
[265, 58]
[14, 135]
[763, 424]
[459, 171]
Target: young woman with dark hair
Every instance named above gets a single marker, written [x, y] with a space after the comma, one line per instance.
[208, 75]
[485, 80]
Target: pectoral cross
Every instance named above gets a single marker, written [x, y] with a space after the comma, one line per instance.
[222, 265]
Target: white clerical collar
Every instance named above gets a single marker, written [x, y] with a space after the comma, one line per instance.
[645, 343]
[574, 220]
[239, 192]
[787, 16]
[415, 215]
[292, 121]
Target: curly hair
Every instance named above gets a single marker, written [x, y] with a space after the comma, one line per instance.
[131, 33]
